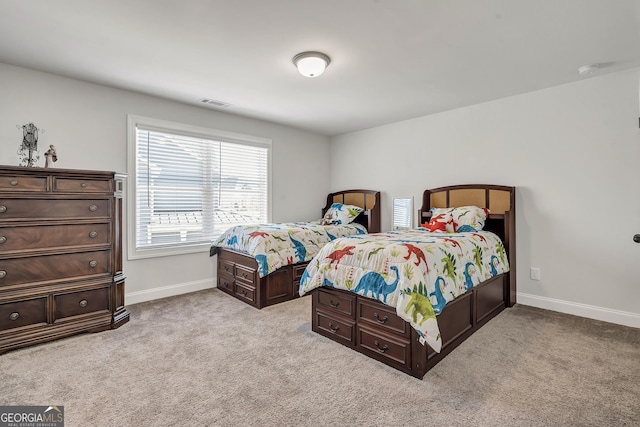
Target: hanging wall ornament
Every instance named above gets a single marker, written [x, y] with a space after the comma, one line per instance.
[28, 150]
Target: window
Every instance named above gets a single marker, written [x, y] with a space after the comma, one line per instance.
[187, 185]
[402, 208]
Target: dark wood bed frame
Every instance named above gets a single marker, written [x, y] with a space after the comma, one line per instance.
[373, 328]
[238, 272]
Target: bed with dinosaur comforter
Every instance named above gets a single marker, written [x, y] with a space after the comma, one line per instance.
[418, 272]
[277, 245]
[262, 264]
[409, 298]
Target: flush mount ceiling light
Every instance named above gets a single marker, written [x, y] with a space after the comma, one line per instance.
[311, 64]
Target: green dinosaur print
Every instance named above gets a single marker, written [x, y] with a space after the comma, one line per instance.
[477, 256]
[279, 238]
[449, 262]
[373, 252]
[500, 250]
[420, 304]
[353, 212]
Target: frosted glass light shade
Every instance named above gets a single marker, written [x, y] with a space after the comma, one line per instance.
[311, 64]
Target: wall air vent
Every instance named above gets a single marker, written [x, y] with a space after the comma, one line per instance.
[214, 103]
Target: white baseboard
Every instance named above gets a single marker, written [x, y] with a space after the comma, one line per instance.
[590, 311]
[167, 291]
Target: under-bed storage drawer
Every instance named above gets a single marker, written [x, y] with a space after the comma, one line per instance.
[382, 316]
[245, 292]
[341, 330]
[392, 348]
[342, 304]
[225, 283]
[245, 273]
[298, 271]
[226, 267]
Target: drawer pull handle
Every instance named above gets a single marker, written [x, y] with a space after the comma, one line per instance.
[93, 208]
[14, 316]
[3, 209]
[381, 349]
[2, 239]
[83, 185]
[383, 320]
[93, 263]
[14, 183]
[334, 304]
[83, 303]
[334, 329]
[243, 292]
[93, 234]
[3, 274]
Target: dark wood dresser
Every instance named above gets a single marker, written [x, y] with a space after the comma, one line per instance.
[60, 254]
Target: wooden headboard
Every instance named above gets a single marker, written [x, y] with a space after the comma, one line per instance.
[369, 200]
[501, 202]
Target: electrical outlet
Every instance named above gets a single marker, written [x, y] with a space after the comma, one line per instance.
[535, 273]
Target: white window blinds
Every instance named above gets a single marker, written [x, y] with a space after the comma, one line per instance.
[402, 209]
[190, 189]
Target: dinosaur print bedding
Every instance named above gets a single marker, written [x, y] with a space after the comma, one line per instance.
[276, 245]
[415, 271]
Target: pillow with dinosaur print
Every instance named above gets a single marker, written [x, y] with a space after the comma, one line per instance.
[442, 223]
[465, 218]
[340, 213]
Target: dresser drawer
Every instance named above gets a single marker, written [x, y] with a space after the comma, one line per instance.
[342, 331]
[23, 183]
[23, 313]
[82, 302]
[23, 238]
[382, 346]
[27, 209]
[17, 271]
[340, 303]
[73, 185]
[382, 316]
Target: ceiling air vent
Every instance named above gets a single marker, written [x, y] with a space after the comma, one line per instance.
[214, 103]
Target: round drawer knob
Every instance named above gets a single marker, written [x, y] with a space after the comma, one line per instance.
[93, 234]
[14, 183]
[14, 315]
[2, 274]
[3, 209]
[2, 239]
[83, 303]
[83, 185]
[93, 263]
[93, 208]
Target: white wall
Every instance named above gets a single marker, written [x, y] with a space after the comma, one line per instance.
[572, 152]
[87, 125]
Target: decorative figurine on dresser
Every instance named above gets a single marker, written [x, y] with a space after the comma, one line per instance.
[60, 254]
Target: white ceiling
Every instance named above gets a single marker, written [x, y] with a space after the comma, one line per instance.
[390, 59]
